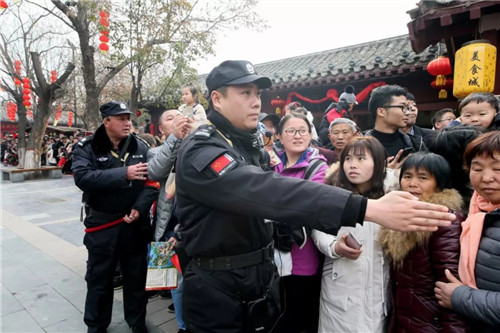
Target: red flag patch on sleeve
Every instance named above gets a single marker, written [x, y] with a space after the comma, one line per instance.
[222, 164]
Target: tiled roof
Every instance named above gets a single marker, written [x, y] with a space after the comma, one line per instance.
[372, 59]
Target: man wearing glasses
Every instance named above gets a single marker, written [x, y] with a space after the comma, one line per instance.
[389, 108]
[443, 118]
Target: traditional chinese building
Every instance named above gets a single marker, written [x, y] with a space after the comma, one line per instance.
[316, 79]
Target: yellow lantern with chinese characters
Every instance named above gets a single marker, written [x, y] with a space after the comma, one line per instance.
[474, 68]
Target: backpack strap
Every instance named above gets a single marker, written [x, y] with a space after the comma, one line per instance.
[313, 168]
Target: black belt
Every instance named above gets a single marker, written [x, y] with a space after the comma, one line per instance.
[104, 216]
[238, 261]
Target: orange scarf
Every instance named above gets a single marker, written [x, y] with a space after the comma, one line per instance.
[472, 229]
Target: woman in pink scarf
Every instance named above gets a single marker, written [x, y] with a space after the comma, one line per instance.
[477, 293]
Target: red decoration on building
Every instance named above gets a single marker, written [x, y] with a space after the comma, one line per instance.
[3, 5]
[440, 67]
[17, 82]
[278, 103]
[442, 86]
[333, 94]
[53, 76]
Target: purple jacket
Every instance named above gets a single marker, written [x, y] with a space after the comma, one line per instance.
[305, 260]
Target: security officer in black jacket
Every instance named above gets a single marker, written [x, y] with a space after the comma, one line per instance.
[110, 168]
[224, 193]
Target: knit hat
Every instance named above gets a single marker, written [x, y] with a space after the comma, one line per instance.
[348, 95]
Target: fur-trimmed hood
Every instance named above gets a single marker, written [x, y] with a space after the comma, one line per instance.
[398, 244]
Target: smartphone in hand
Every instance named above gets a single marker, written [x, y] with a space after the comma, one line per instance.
[352, 242]
[406, 152]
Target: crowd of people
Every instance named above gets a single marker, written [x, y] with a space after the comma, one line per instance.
[283, 228]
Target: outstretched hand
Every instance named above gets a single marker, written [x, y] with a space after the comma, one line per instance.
[443, 290]
[181, 126]
[402, 211]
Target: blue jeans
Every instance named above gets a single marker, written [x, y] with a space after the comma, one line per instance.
[177, 299]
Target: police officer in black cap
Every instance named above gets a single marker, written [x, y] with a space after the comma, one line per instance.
[110, 168]
[224, 193]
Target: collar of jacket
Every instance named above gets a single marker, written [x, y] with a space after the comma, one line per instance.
[397, 244]
[243, 141]
[101, 144]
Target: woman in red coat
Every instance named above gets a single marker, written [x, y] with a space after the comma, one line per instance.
[419, 259]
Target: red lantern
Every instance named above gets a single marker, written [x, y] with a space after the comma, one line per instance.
[27, 104]
[278, 103]
[105, 32]
[26, 91]
[439, 66]
[103, 13]
[104, 21]
[104, 38]
[26, 80]
[17, 82]
[138, 113]
[17, 66]
[58, 112]
[53, 76]
[104, 47]
[26, 97]
[3, 5]
[442, 86]
[26, 86]
[29, 113]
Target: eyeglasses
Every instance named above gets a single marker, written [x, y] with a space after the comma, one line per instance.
[293, 131]
[403, 108]
[449, 119]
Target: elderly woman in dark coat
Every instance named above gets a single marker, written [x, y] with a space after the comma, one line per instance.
[477, 296]
[419, 259]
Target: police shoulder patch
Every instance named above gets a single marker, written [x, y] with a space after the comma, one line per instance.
[85, 140]
[204, 131]
[223, 164]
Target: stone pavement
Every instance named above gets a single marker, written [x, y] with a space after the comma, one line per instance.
[43, 262]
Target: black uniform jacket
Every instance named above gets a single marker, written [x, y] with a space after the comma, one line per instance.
[223, 199]
[103, 178]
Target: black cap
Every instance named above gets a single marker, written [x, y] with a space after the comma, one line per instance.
[233, 72]
[113, 109]
[275, 119]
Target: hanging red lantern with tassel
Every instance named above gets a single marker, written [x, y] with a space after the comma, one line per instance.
[3, 5]
[440, 67]
[442, 86]
[278, 103]
[17, 82]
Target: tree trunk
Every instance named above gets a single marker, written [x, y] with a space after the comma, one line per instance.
[34, 147]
